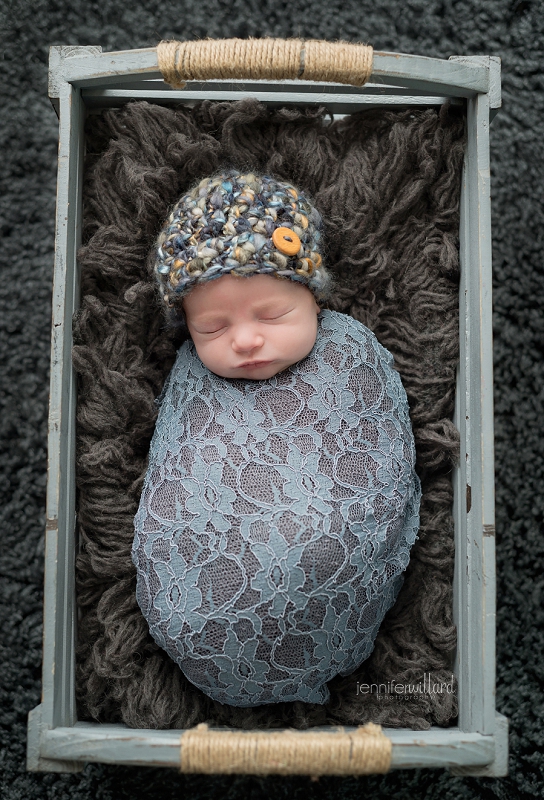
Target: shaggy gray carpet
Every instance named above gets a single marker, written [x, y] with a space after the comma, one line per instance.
[512, 29]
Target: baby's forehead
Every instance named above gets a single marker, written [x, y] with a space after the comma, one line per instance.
[233, 292]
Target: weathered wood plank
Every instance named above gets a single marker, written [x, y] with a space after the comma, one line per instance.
[493, 64]
[35, 762]
[269, 87]
[474, 584]
[59, 603]
[498, 768]
[115, 744]
[335, 103]
[398, 69]
[420, 72]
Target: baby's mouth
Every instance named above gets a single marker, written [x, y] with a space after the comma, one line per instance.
[250, 364]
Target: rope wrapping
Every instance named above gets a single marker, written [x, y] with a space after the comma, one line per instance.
[264, 59]
[363, 751]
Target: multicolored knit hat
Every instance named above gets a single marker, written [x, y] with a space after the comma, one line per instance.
[241, 224]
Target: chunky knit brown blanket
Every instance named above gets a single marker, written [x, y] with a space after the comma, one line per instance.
[387, 184]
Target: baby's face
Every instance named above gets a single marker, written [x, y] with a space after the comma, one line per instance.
[252, 327]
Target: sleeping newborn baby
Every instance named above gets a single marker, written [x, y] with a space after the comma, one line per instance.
[280, 502]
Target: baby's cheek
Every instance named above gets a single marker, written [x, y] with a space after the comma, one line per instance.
[209, 352]
[303, 339]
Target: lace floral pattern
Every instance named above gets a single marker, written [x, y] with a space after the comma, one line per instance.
[277, 518]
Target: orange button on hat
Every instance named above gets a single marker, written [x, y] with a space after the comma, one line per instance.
[286, 241]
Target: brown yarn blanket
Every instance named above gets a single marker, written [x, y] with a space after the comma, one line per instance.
[387, 184]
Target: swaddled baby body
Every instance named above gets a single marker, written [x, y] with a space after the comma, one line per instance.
[280, 502]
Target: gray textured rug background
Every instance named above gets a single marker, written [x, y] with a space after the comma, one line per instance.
[511, 29]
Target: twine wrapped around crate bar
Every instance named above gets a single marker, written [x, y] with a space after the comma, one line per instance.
[264, 59]
[363, 751]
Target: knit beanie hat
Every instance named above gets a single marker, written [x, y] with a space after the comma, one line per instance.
[239, 224]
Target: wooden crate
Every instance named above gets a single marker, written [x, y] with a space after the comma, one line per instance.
[83, 78]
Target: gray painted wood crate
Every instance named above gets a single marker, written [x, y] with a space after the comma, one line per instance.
[83, 78]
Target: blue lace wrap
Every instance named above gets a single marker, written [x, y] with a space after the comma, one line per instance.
[277, 518]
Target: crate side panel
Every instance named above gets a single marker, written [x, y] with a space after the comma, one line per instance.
[474, 506]
[462, 476]
[335, 103]
[59, 604]
[116, 744]
[431, 75]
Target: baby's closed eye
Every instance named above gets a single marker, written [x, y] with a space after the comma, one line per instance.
[274, 315]
[209, 330]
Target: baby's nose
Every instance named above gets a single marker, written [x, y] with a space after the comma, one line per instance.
[246, 338]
